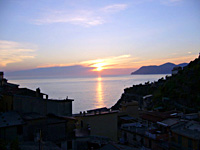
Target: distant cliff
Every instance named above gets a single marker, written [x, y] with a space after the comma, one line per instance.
[162, 69]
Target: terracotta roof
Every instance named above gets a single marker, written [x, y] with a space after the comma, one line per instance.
[157, 116]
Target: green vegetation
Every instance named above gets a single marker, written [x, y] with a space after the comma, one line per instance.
[182, 90]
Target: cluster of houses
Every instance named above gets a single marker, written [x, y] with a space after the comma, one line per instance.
[31, 117]
[42, 123]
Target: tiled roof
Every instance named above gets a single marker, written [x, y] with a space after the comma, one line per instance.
[10, 119]
[32, 116]
[127, 118]
[169, 121]
[157, 116]
[189, 129]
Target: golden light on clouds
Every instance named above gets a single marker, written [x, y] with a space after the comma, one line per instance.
[99, 66]
[13, 52]
[124, 63]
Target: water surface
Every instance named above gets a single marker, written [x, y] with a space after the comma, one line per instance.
[88, 93]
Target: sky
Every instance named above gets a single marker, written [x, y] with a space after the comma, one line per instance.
[114, 36]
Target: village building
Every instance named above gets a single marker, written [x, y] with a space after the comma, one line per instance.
[129, 108]
[99, 123]
[186, 135]
[31, 116]
[11, 126]
[25, 100]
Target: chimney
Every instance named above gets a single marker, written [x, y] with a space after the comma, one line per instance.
[38, 92]
[1, 78]
[1, 75]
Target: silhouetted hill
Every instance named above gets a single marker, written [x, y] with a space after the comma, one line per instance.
[180, 91]
[162, 69]
[66, 71]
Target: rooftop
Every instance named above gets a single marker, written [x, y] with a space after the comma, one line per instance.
[169, 122]
[98, 109]
[34, 146]
[32, 116]
[12, 84]
[189, 129]
[155, 116]
[127, 118]
[61, 100]
[114, 146]
[134, 127]
[28, 92]
[10, 119]
[96, 114]
[62, 117]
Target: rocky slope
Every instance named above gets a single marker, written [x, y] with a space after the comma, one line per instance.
[182, 90]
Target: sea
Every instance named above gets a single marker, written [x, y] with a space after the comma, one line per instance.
[87, 92]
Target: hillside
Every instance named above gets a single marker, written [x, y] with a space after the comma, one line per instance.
[181, 90]
[162, 69]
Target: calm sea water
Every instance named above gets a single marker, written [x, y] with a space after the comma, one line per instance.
[88, 93]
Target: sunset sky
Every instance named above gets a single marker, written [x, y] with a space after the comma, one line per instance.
[101, 34]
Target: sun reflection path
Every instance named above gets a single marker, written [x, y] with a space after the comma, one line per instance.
[100, 102]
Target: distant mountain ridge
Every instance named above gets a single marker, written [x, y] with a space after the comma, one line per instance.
[65, 71]
[162, 69]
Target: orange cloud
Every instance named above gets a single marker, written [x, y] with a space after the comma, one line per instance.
[13, 52]
[124, 64]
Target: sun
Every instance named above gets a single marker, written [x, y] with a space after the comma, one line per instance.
[99, 66]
